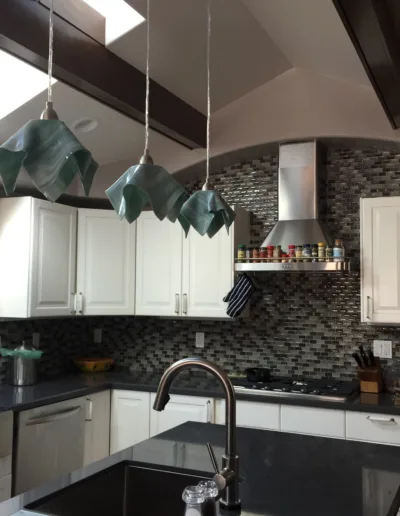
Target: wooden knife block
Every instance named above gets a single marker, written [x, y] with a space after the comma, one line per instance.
[371, 378]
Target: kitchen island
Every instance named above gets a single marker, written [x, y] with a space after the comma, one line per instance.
[282, 474]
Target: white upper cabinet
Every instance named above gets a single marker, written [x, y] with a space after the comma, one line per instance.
[188, 277]
[208, 268]
[380, 260]
[37, 258]
[105, 264]
[159, 266]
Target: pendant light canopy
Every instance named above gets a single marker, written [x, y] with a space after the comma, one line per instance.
[206, 210]
[48, 151]
[146, 183]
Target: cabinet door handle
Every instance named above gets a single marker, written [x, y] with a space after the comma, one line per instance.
[177, 303]
[51, 418]
[81, 303]
[73, 312]
[185, 304]
[368, 304]
[382, 420]
[89, 409]
[208, 411]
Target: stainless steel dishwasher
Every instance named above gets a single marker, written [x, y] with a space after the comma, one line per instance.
[50, 443]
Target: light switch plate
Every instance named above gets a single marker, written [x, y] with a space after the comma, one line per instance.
[382, 348]
[199, 339]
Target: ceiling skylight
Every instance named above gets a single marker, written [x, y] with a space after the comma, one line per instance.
[120, 17]
[20, 82]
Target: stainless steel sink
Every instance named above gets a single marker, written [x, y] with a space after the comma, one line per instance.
[126, 489]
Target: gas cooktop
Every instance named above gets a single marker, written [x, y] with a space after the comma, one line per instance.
[326, 389]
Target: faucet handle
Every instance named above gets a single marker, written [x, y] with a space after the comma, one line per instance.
[213, 458]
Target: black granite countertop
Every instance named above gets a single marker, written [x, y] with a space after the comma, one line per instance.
[187, 383]
[283, 474]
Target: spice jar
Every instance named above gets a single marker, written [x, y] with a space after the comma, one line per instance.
[314, 252]
[338, 251]
[299, 252]
[256, 253]
[249, 253]
[263, 254]
[285, 257]
[241, 253]
[321, 251]
[328, 254]
[270, 251]
[292, 252]
[277, 253]
[307, 252]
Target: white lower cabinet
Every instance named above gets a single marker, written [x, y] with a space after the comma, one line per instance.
[179, 410]
[313, 421]
[377, 428]
[97, 427]
[130, 419]
[252, 414]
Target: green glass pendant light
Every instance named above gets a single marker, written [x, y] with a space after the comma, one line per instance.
[48, 151]
[206, 210]
[145, 183]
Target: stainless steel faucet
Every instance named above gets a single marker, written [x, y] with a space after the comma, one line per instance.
[227, 479]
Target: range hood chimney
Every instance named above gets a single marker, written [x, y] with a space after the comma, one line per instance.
[301, 197]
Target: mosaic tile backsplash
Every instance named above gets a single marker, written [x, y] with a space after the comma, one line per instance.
[300, 324]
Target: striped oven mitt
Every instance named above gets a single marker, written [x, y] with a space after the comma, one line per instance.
[238, 297]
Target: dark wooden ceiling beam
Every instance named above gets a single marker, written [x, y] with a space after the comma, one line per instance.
[373, 28]
[83, 63]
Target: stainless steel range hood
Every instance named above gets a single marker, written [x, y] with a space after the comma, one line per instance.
[301, 178]
[301, 206]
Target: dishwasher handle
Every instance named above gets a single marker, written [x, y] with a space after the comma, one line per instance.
[51, 418]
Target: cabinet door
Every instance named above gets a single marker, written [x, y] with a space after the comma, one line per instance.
[380, 260]
[179, 410]
[97, 427]
[106, 263]
[159, 266]
[130, 422]
[207, 273]
[53, 260]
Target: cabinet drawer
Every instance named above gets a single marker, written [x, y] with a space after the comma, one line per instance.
[313, 421]
[5, 488]
[252, 414]
[378, 428]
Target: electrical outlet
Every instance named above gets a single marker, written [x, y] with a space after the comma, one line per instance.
[36, 340]
[97, 335]
[383, 348]
[199, 339]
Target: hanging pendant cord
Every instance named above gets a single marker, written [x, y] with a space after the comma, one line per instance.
[208, 89]
[50, 62]
[146, 140]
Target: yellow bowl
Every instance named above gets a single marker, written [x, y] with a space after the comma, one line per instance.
[94, 365]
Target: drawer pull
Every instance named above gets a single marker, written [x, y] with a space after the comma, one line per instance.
[382, 420]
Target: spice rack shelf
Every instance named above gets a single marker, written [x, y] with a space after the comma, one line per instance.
[300, 265]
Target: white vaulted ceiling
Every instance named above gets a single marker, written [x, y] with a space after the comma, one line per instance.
[311, 35]
[262, 52]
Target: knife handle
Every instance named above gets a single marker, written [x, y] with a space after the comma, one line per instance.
[371, 357]
[358, 360]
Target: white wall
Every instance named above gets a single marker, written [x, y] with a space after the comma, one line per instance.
[296, 105]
